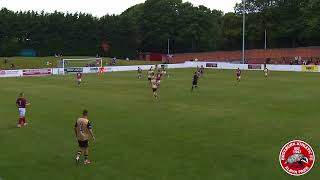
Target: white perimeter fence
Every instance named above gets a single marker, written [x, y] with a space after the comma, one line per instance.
[209, 65]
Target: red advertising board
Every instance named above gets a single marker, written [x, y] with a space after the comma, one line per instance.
[37, 72]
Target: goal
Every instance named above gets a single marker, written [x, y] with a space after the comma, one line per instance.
[68, 65]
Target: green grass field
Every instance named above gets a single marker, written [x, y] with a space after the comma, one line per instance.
[221, 131]
[40, 62]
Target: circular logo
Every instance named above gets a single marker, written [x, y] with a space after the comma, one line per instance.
[297, 158]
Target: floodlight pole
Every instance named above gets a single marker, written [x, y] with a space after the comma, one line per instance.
[265, 38]
[168, 46]
[243, 30]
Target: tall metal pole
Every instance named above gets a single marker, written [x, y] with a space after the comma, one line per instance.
[265, 38]
[243, 31]
[168, 46]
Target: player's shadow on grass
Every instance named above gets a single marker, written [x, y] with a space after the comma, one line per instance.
[10, 127]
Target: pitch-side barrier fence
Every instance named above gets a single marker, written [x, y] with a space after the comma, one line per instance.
[188, 64]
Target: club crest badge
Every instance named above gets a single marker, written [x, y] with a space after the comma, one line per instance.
[297, 158]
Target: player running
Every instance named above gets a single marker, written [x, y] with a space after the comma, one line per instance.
[198, 71]
[201, 70]
[158, 78]
[83, 130]
[150, 74]
[238, 74]
[266, 72]
[154, 86]
[78, 77]
[165, 73]
[139, 73]
[195, 81]
[22, 104]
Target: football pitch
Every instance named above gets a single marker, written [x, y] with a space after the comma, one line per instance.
[221, 131]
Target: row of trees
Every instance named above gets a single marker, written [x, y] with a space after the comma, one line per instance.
[147, 27]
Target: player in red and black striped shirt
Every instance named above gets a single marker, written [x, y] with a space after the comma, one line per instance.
[238, 74]
[21, 104]
[79, 76]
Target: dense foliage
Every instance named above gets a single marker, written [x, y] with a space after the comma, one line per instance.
[147, 27]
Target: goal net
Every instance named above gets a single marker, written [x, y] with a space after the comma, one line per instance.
[70, 65]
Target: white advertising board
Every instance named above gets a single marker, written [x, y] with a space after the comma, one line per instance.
[10, 73]
[188, 64]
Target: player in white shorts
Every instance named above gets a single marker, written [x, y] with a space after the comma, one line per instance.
[79, 76]
[154, 86]
[238, 74]
[21, 104]
[266, 72]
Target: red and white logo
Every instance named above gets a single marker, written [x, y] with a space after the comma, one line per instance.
[297, 158]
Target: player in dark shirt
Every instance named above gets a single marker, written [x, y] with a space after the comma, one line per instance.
[21, 104]
[79, 76]
[195, 81]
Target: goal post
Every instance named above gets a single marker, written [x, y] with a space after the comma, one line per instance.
[81, 63]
